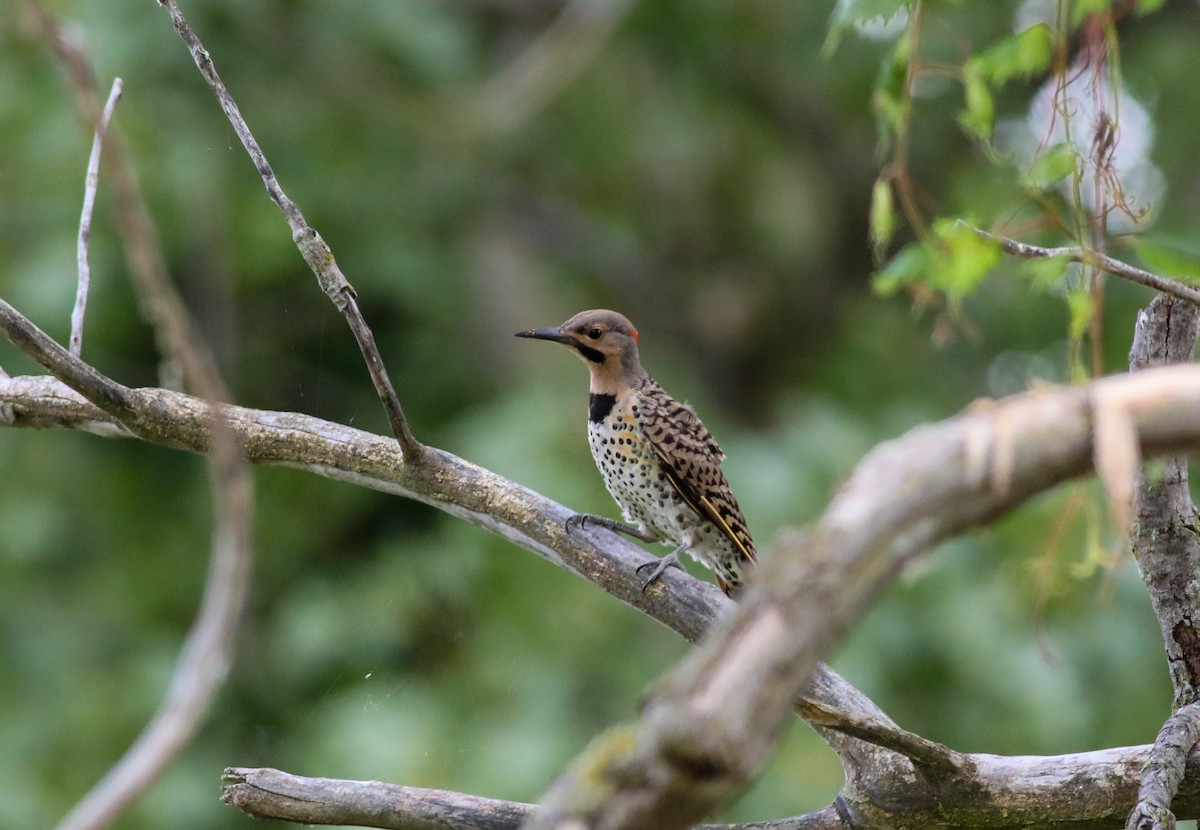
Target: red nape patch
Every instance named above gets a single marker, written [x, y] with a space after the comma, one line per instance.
[633, 331]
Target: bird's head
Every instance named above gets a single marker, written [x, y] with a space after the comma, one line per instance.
[607, 342]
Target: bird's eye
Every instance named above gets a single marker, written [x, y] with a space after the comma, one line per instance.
[594, 332]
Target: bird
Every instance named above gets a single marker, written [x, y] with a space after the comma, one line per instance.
[659, 462]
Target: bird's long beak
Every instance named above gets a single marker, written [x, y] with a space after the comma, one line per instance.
[557, 335]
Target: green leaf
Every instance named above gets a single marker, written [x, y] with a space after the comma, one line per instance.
[890, 97]
[1052, 167]
[855, 14]
[980, 114]
[909, 266]
[1019, 56]
[1148, 6]
[962, 258]
[1047, 273]
[1181, 262]
[883, 214]
[1080, 306]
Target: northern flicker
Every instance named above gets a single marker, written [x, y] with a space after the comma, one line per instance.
[658, 460]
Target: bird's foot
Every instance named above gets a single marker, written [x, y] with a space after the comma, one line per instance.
[659, 567]
[580, 520]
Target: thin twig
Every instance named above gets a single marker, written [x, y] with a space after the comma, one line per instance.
[925, 754]
[91, 184]
[73, 60]
[313, 248]
[550, 63]
[1075, 253]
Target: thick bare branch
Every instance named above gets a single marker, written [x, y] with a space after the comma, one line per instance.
[943, 466]
[310, 244]
[1167, 552]
[342, 453]
[272, 794]
[1076, 791]
[1037, 438]
[1164, 770]
[1165, 543]
[714, 721]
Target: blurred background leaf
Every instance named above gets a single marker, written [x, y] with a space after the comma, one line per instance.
[709, 173]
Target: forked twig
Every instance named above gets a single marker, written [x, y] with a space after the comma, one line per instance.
[313, 248]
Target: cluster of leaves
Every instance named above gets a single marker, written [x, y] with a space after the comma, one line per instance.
[1050, 169]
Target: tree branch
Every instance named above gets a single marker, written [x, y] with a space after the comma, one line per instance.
[91, 185]
[549, 64]
[310, 244]
[714, 721]
[1167, 552]
[1077, 790]
[1094, 259]
[1165, 544]
[943, 477]
[99, 389]
[272, 794]
[1164, 770]
[203, 661]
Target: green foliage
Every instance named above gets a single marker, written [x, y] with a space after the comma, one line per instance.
[1081, 306]
[1171, 258]
[1045, 273]
[954, 262]
[909, 266]
[963, 258]
[883, 214]
[1023, 55]
[1051, 168]
[850, 15]
[890, 99]
[979, 115]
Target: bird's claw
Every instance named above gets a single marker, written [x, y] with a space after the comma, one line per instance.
[659, 568]
[576, 522]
